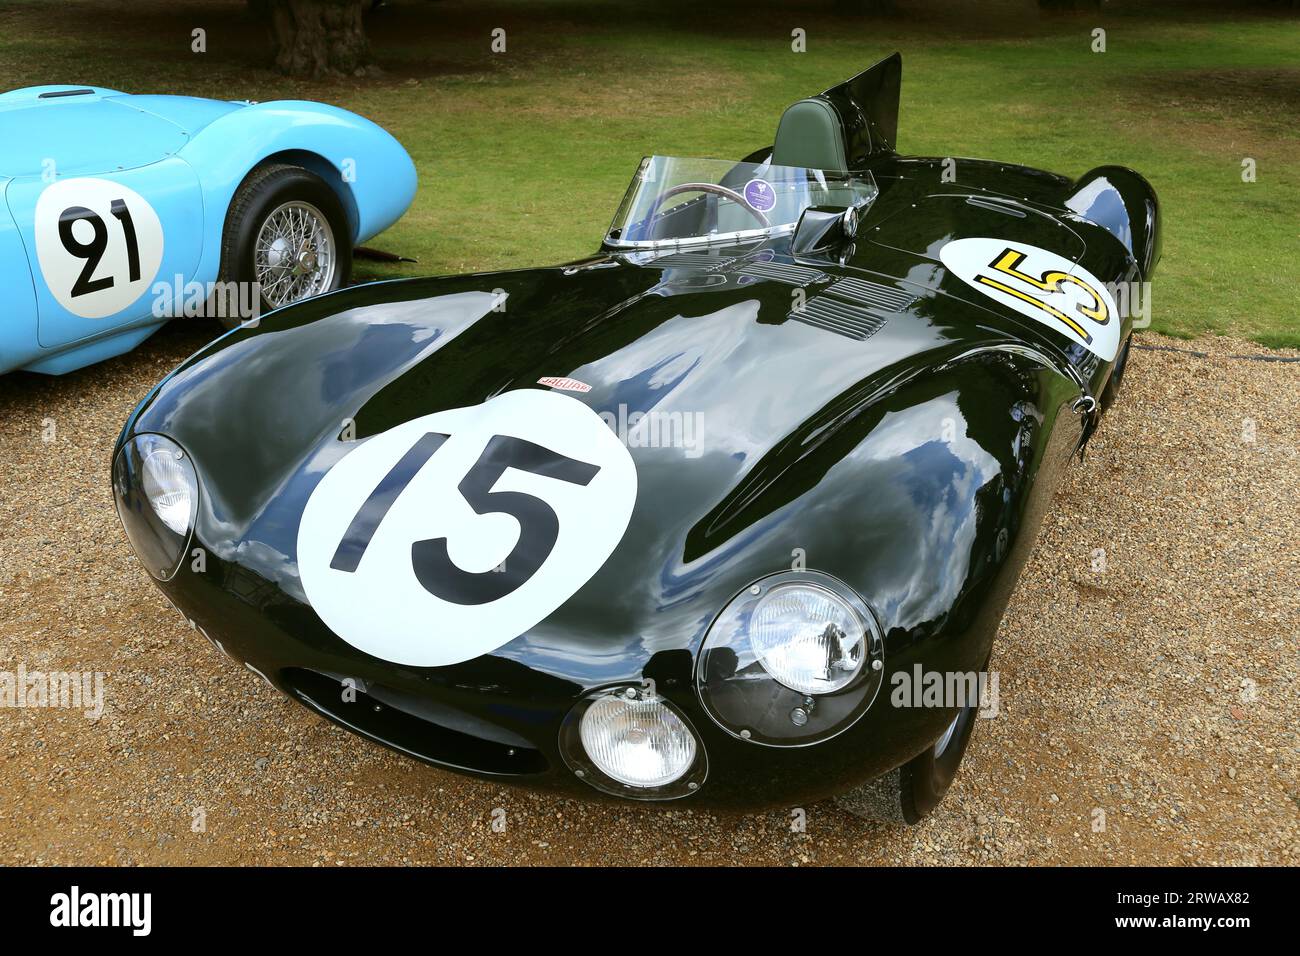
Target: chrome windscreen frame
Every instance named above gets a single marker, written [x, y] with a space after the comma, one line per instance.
[710, 239]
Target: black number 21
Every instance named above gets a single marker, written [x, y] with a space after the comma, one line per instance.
[539, 527]
[93, 251]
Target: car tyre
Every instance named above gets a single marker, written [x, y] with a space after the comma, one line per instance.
[273, 206]
[906, 794]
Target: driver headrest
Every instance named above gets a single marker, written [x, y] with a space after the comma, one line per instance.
[810, 134]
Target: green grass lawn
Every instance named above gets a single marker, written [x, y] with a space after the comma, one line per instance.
[524, 155]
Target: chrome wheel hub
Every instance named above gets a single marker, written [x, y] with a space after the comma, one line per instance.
[294, 254]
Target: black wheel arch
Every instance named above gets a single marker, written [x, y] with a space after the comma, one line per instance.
[320, 166]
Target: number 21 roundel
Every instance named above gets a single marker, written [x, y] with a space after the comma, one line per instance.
[448, 536]
[99, 245]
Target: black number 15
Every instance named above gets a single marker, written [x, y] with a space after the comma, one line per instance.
[93, 251]
[539, 527]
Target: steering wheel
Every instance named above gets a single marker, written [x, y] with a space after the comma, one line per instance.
[708, 188]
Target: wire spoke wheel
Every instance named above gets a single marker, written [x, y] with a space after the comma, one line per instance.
[294, 254]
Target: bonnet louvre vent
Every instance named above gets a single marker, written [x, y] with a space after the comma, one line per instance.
[871, 294]
[854, 308]
[794, 275]
[842, 318]
[692, 260]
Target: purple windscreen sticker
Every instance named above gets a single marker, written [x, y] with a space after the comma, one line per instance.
[760, 195]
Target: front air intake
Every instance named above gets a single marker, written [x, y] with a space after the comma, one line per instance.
[415, 726]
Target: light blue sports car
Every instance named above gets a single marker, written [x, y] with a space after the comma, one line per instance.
[120, 212]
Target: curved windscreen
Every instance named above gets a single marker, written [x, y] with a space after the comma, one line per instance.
[674, 202]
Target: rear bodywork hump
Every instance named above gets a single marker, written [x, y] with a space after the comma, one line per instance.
[927, 208]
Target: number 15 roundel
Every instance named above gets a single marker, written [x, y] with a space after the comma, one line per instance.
[449, 536]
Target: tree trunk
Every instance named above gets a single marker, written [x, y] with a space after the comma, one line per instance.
[319, 37]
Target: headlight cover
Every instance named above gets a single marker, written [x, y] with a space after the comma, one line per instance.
[808, 638]
[794, 659]
[157, 496]
[628, 741]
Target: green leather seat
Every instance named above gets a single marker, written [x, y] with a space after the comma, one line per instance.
[810, 134]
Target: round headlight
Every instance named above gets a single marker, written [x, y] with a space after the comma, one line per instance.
[157, 496]
[630, 741]
[637, 742]
[808, 638]
[167, 489]
[793, 659]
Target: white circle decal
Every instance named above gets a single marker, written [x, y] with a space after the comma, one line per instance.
[1046, 287]
[448, 536]
[99, 245]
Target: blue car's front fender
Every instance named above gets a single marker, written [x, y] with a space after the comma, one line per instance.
[373, 174]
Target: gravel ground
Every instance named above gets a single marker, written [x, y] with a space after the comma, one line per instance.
[1157, 695]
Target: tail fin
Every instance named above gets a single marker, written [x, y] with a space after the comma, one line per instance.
[868, 107]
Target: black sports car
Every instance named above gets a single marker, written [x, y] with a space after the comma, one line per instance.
[696, 517]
